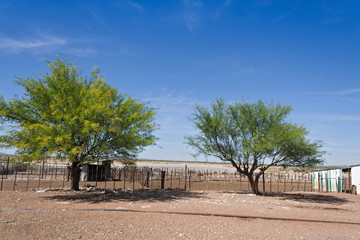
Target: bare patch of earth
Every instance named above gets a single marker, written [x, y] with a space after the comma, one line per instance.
[174, 214]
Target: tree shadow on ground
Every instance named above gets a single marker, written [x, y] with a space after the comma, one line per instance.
[100, 195]
[304, 197]
[311, 197]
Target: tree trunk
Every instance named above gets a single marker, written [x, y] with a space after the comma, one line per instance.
[75, 176]
[254, 184]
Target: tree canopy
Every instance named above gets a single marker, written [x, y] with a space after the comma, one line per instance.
[252, 137]
[67, 115]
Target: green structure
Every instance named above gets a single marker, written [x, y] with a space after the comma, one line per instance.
[327, 180]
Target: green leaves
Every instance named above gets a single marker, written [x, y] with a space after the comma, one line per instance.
[65, 114]
[255, 134]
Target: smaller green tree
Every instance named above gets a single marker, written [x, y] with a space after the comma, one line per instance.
[67, 115]
[252, 137]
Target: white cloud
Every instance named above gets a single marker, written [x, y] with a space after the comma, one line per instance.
[192, 4]
[343, 118]
[135, 6]
[331, 117]
[347, 91]
[335, 93]
[127, 52]
[45, 43]
[173, 111]
[191, 14]
[284, 15]
[227, 3]
[14, 45]
[346, 150]
[130, 5]
[192, 20]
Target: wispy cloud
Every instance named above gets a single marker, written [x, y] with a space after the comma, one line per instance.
[346, 150]
[191, 14]
[135, 6]
[127, 52]
[341, 117]
[347, 91]
[344, 92]
[45, 43]
[15, 45]
[173, 110]
[284, 15]
[130, 5]
[227, 3]
[331, 117]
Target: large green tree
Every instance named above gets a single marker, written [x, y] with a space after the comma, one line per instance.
[252, 137]
[65, 114]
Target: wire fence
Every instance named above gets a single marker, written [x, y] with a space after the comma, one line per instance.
[25, 176]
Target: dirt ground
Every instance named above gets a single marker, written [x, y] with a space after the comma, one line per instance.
[175, 214]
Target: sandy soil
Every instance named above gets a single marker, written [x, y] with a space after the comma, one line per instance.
[175, 214]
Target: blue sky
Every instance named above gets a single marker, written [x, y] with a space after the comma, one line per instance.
[176, 54]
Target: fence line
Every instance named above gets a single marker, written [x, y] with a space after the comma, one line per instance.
[25, 176]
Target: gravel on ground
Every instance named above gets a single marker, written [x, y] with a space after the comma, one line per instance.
[175, 214]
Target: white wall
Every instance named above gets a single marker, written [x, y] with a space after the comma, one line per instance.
[355, 176]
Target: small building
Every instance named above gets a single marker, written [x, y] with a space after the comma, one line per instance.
[355, 178]
[345, 179]
[328, 180]
[96, 171]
